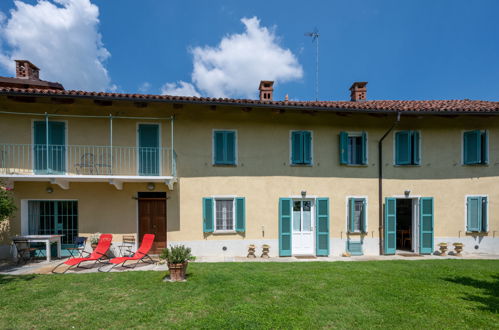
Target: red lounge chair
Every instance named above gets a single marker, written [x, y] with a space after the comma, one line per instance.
[140, 255]
[100, 252]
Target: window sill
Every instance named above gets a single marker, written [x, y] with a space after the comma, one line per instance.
[301, 165]
[356, 233]
[407, 165]
[479, 165]
[477, 233]
[356, 165]
[224, 232]
[224, 165]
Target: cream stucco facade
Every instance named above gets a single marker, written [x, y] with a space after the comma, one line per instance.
[263, 173]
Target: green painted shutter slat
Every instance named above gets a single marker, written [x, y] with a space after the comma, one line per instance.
[485, 148]
[285, 227]
[148, 149]
[240, 214]
[218, 145]
[416, 153]
[472, 147]
[485, 218]
[402, 148]
[426, 225]
[230, 143]
[390, 225]
[474, 214]
[351, 214]
[208, 223]
[363, 228]
[364, 148]
[322, 227]
[296, 148]
[307, 147]
[343, 148]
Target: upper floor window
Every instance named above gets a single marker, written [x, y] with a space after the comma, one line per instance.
[475, 147]
[353, 148]
[224, 147]
[476, 214]
[357, 215]
[301, 148]
[407, 148]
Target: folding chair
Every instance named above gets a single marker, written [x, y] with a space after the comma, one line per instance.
[78, 247]
[139, 256]
[24, 251]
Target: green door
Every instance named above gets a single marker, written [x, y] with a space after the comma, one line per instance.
[49, 158]
[285, 227]
[390, 225]
[148, 149]
[426, 225]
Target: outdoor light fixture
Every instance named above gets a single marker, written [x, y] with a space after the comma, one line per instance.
[50, 190]
[151, 186]
[303, 193]
[407, 193]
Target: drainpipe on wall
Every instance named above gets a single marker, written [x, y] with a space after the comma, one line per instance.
[380, 185]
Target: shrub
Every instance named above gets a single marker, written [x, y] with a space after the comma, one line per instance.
[7, 205]
[177, 254]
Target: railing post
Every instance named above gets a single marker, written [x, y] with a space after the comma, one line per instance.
[111, 142]
[173, 169]
[47, 141]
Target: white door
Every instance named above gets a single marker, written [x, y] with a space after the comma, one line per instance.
[303, 227]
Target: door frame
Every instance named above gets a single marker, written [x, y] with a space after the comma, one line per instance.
[313, 224]
[415, 226]
[137, 220]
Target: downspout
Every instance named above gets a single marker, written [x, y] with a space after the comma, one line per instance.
[380, 185]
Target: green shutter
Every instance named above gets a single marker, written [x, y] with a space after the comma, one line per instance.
[285, 227]
[403, 148]
[416, 153]
[485, 148]
[474, 213]
[240, 214]
[343, 148]
[148, 149]
[296, 148]
[363, 227]
[364, 148]
[230, 142]
[218, 145]
[472, 147]
[351, 214]
[390, 225]
[307, 147]
[208, 223]
[40, 147]
[426, 225]
[57, 147]
[322, 227]
[485, 220]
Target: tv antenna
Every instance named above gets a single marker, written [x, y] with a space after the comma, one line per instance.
[315, 37]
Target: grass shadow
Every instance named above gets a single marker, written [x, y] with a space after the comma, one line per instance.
[5, 279]
[490, 299]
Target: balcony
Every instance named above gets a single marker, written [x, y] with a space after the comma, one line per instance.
[61, 164]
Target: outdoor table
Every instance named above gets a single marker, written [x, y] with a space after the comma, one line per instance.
[47, 239]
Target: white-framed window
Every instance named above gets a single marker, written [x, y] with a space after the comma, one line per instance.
[224, 148]
[301, 147]
[224, 214]
[475, 147]
[353, 148]
[357, 214]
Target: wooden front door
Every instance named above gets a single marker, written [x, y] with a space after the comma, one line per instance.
[152, 220]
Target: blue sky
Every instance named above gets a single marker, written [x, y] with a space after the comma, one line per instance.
[446, 49]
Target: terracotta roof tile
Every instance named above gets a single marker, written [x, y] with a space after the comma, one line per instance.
[432, 106]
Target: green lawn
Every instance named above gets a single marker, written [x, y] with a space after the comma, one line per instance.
[384, 294]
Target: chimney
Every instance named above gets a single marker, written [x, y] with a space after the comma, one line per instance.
[266, 90]
[358, 91]
[27, 70]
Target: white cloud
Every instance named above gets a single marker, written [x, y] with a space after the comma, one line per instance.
[180, 88]
[239, 62]
[145, 87]
[62, 38]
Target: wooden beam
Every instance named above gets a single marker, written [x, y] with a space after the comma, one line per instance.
[246, 109]
[140, 104]
[62, 100]
[103, 103]
[213, 107]
[23, 99]
[177, 106]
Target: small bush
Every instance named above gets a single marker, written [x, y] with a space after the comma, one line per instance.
[177, 254]
[7, 205]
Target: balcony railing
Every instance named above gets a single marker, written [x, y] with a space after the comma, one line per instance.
[42, 159]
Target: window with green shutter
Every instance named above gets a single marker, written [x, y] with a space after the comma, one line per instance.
[476, 214]
[224, 147]
[353, 148]
[223, 214]
[475, 147]
[407, 148]
[357, 210]
[301, 148]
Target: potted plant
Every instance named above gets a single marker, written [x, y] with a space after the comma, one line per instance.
[177, 258]
[458, 248]
[443, 248]
[94, 240]
[7, 205]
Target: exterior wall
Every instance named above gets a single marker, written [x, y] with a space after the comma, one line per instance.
[263, 173]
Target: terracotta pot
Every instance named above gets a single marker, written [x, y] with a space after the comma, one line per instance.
[177, 271]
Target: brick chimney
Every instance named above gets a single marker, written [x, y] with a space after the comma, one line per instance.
[27, 70]
[358, 91]
[266, 89]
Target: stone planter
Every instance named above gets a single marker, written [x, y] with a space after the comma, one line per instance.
[177, 271]
[251, 251]
[443, 249]
[458, 248]
[265, 251]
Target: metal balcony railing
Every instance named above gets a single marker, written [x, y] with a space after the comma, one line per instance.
[72, 160]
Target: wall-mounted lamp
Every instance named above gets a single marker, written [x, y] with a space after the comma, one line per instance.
[49, 190]
[151, 186]
[407, 193]
[303, 193]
